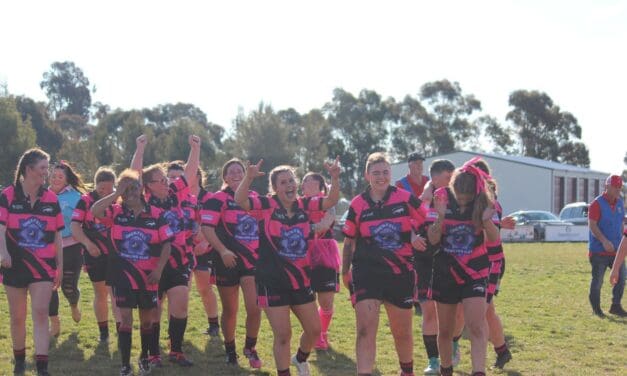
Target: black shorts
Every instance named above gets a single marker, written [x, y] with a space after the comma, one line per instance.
[20, 276]
[228, 277]
[424, 271]
[325, 279]
[398, 289]
[272, 297]
[171, 278]
[125, 298]
[447, 291]
[96, 267]
[204, 262]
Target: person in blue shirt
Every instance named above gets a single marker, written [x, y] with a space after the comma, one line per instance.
[67, 184]
[605, 218]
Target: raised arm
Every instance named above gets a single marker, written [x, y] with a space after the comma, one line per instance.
[193, 160]
[241, 194]
[137, 163]
[491, 230]
[333, 197]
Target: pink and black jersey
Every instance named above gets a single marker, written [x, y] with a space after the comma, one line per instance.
[383, 231]
[138, 240]
[463, 246]
[237, 229]
[180, 212]
[31, 230]
[97, 230]
[284, 260]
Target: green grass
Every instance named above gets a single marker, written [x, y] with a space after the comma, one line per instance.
[543, 305]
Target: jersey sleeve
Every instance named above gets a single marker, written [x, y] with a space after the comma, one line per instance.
[80, 211]
[259, 202]
[351, 225]
[60, 222]
[4, 209]
[211, 212]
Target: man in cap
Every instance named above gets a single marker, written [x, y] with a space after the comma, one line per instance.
[605, 218]
[415, 181]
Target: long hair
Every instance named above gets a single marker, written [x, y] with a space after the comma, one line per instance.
[466, 183]
[29, 159]
[73, 178]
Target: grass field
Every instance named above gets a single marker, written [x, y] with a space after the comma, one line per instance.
[543, 305]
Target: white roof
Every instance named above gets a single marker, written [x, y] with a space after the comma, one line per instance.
[551, 165]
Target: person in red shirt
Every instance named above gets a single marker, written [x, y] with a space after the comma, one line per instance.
[414, 182]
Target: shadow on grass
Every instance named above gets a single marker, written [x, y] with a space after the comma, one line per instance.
[70, 350]
[332, 363]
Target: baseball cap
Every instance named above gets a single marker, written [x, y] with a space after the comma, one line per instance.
[415, 156]
[614, 181]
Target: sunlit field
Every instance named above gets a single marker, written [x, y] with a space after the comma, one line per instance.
[543, 304]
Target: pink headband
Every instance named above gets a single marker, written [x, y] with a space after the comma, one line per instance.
[480, 175]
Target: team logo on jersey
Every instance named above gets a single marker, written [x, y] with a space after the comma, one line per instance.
[293, 244]
[387, 235]
[459, 239]
[398, 211]
[173, 220]
[135, 245]
[246, 229]
[48, 209]
[32, 233]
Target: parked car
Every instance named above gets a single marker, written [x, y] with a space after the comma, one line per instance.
[338, 225]
[539, 219]
[575, 213]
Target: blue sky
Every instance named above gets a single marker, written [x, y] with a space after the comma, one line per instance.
[223, 56]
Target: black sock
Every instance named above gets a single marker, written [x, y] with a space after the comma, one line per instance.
[250, 343]
[283, 372]
[448, 371]
[154, 344]
[19, 355]
[213, 321]
[301, 356]
[407, 367]
[146, 338]
[124, 345]
[457, 338]
[478, 373]
[176, 330]
[229, 347]
[501, 349]
[103, 327]
[431, 345]
[42, 362]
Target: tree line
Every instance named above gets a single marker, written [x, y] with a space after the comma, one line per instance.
[439, 118]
